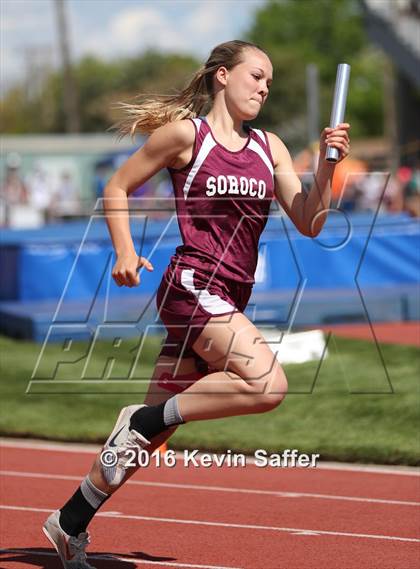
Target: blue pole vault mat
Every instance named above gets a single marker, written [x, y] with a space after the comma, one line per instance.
[56, 281]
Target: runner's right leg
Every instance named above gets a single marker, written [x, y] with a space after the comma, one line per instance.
[249, 380]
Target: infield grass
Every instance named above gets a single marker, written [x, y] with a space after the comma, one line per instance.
[361, 404]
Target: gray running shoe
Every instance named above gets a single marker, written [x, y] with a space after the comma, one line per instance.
[70, 549]
[120, 450]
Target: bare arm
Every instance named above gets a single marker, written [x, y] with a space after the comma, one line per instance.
[307, 211]
[160, 151]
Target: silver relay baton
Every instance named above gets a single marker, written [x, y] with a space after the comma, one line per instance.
[339, 105]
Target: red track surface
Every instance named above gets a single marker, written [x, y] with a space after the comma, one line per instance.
[249, 518]
[403, 333]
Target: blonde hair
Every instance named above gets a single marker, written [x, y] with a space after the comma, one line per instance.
[153, 111]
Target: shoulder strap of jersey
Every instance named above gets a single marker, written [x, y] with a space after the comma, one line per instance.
[203, 145]
[201, 130]
[260, 136]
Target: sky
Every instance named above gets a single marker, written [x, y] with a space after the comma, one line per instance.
[112, 28]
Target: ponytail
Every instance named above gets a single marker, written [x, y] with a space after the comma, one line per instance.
[152, 111]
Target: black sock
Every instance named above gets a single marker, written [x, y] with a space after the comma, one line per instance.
[76, 514]
[148, 421]
[151, 421]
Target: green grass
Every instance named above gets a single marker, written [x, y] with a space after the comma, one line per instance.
[353, 411]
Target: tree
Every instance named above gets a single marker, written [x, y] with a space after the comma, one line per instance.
[100, 84]
[293, 32]
[325, 32]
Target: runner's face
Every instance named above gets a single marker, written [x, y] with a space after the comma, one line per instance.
[248, 84]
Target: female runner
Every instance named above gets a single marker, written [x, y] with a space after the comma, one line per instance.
[214, 362]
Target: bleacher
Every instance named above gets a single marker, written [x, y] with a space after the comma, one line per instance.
[395, 26]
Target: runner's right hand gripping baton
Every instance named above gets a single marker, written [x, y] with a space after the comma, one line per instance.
[339, 105]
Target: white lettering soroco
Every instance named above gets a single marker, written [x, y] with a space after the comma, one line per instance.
[231, 185]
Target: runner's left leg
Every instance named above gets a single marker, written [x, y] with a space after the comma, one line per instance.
[155, 395]
[73, 518]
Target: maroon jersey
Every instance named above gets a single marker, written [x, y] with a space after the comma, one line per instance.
[223, 200]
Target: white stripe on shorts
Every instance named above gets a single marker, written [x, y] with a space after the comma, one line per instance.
[210, 302]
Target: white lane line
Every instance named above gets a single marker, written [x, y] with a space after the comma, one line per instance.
[399, 470]
[274, 493]
[298, 531]
[50, 446]
[119, 558]
[321, 465]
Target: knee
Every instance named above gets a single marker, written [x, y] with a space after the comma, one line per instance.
[268, 402]
[273, 395]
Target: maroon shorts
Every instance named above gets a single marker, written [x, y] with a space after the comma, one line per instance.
[187, 298]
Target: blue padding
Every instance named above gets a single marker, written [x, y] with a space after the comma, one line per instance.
[73, 231]
[136, 316]
[73, 261]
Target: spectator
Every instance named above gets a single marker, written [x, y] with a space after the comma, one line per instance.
[39, 189]
[348, 177]
[412, 192]
[370, 190]
[100, 179]
[65, 202]
[393, 198]
[13, 190]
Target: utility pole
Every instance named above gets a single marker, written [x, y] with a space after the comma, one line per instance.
[38, 66]
[312, 102]
[69, 87]
[37, 61]
[391, 101]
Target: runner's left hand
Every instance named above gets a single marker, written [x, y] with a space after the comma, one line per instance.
[337, 137]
